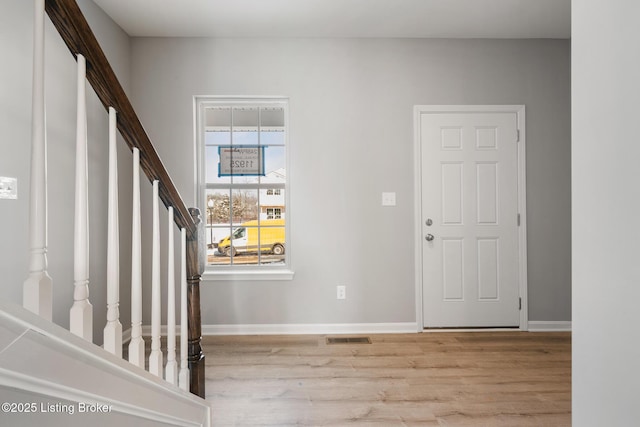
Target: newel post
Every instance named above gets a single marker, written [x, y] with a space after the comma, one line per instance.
[195, 267]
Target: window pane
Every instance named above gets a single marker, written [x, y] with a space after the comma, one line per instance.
[218, 208]
[272, 203]
[272, 243]
[217, 118]
[242, 164]
[218, 224]
[244, 137]
[217, 138]
[272, 118]
[212, 160]
[241, 241]
[271, 137]
[219, 253]
[245, 117]
[274, 165]
[235, 246]
[244, 206]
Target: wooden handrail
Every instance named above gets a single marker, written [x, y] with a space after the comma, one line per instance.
[74, 29]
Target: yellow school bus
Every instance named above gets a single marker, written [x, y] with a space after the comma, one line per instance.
[268, 232]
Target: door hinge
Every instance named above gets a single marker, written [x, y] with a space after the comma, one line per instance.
[517, 135]
[518, 220]
[520, 303]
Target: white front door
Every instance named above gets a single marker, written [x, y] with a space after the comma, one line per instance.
[469, 218]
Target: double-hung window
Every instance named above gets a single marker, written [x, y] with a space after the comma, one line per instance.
[243, 188]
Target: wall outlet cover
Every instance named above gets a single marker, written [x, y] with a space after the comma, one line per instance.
[389, 199]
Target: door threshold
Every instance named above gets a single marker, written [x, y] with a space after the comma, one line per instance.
[473, 329]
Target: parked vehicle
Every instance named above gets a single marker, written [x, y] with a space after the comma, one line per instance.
[270, 233]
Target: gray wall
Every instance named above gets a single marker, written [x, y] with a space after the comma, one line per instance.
[351, 138]
[606, 208]
[16, 47]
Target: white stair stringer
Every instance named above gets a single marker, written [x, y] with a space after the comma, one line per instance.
[48, 376]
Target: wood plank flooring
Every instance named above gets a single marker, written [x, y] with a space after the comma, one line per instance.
[431, 379]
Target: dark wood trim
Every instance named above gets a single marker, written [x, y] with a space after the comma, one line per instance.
[195, 267]
[68, 19]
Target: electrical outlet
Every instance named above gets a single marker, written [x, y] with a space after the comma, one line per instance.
[389, 199]
[341, 292]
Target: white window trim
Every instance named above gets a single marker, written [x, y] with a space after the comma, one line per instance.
[242, 273]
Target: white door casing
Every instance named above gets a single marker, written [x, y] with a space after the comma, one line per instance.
[470, 182]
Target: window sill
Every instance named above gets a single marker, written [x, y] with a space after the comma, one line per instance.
[211, 275]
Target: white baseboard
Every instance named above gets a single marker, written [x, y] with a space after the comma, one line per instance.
[339, 328]
[292, 329]
[311, 329]
[549, 326]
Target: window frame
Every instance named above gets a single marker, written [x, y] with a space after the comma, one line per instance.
[242, 272]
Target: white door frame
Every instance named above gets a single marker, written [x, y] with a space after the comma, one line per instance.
[519, 110]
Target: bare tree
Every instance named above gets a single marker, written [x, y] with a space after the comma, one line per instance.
[244, 205]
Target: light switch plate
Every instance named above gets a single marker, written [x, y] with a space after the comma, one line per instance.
[8, 188]
[389, 199]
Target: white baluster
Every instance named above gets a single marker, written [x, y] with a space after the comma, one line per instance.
[113, 328]
[171, 370]
[155, 358]
[183, 378]
[136, 345]
[37, 289]
[81, 314]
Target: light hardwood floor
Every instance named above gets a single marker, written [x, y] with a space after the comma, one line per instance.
[430, 379]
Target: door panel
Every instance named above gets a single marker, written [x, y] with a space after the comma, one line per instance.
[469, 188]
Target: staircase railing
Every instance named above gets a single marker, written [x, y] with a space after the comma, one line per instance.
[93, 65]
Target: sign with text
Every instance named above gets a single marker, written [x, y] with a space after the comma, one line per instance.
[241, 160]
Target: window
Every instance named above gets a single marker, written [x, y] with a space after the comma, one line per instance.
[242, 169]
[274, 213]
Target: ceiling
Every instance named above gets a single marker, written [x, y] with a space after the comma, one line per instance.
[342, 18]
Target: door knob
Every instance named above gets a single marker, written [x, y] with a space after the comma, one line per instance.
[429, 237]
